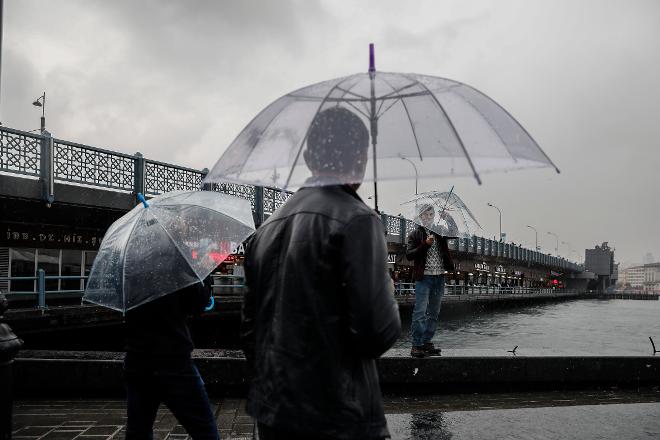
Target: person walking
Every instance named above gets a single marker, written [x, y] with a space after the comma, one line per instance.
[158, 367]
[319, 306]
[431, 258]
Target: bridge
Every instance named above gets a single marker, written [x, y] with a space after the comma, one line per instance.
[58, 197]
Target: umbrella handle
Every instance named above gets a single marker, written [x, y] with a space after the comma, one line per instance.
[210, 305]
[142, 200]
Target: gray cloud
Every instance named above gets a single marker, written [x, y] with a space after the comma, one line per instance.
[178, 80]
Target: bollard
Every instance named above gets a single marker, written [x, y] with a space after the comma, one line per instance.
[41, 283]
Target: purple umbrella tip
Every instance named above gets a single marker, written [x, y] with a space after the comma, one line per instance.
[372, 60]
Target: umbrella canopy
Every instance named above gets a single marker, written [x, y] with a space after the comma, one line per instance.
[444, 127]
[174, 241]
[442, 212]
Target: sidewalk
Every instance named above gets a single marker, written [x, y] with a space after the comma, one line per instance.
[567, 415]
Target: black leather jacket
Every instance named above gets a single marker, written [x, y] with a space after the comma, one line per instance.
[417, 250]
[318, 311]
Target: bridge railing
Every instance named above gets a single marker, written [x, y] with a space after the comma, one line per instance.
[402, 289]
[42, 288]
[55, 160]
[20, 152]
[397, 226]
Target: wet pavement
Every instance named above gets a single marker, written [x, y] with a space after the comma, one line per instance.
[567, 415]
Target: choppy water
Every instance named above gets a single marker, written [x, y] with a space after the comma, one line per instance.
[581, 327]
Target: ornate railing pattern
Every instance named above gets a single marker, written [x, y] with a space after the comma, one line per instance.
[20, 152]
[28, 154]
[393, 225]
[162, 177]
[235, 189]
[92, 166]
[274, 198]
[410, 225]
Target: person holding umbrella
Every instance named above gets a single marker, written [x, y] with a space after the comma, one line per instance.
[430, 253]
[154, 265]
[319, 306]
[158, 366]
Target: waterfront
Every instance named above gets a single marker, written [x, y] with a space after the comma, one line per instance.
[579, 327]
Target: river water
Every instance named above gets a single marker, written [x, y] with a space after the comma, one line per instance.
[579, 327]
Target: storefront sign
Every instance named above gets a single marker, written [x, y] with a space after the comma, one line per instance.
[240, 249]
[391, 258]
[481, 266]
[500, 269]
[517, 273]
[44, 236]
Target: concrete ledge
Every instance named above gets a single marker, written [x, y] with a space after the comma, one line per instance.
[100, 373]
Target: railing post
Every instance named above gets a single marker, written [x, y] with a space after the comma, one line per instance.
[205, 186]
[41, 286]
[46, 169]
[138, 175]
[258, 205]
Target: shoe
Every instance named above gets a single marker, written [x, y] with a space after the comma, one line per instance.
[430, 349]
[418, 352]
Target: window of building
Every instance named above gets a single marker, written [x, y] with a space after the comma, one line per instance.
[71, 266]
[22, 264]
[49, 261]
[89, 257]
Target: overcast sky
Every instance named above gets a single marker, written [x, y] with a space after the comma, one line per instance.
[178, 80]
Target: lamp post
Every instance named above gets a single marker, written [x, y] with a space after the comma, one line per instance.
[414, 167]
[41, 102]
[536, 238]
[498, 210]
[556, 242]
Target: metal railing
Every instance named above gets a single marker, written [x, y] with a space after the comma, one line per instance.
[42, 291]
[453, 289]
[55, 160]
[223, 286]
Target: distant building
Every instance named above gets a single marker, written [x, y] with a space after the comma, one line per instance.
[644, 277]
[600, 261]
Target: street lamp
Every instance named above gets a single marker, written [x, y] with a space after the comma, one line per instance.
[41, 102]
[498, 210]
[556, 243]
[536, 238]
[415, 167]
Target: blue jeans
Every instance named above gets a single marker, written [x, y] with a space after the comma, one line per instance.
[428, 298]
[174, 381]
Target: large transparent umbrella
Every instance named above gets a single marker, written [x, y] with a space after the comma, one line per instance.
[442, 212]
[173, 241]
[444, 127]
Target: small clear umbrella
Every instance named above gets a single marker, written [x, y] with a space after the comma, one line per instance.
[444, 127]
[450, 216]
[173, 241]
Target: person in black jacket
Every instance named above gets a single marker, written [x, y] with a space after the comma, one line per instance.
[430, 254]
[158, 367]
[319, 307]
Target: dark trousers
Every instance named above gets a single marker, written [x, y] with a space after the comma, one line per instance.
[268, 433]
[174, 381]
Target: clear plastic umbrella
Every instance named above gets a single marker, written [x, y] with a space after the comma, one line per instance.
[442, 212]
[173, 241]
[444, 127]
